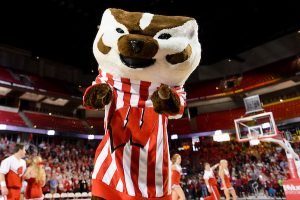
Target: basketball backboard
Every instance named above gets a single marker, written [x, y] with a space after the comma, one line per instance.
[252, 104]
[255, 127]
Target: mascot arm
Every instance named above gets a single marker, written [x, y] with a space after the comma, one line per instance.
[169, 101]
[97, 95]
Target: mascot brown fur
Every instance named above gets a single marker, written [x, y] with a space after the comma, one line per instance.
[144, 61]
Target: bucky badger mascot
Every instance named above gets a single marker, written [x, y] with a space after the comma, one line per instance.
[144, 60]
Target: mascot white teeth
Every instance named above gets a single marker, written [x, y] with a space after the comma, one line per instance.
[144, 61]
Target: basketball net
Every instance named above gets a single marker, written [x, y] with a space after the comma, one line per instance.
[253, 139]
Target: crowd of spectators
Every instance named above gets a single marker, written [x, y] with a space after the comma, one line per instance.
[68, 165]
[253, 169]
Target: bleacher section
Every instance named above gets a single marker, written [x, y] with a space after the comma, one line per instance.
[11, 118]
[20, 79]
[6, 76]
[96, 124]
[257, 78]
[179, 126]
[287, 109]
[56, 123]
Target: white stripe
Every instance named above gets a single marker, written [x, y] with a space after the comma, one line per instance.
[110, 171]
[145, 20]
[213, 191]
[127, 166]
[119, 186]
[169, 159]
[104, 77]
[135, 94]
[153, 87]
[159, 159]
[118, 86]
[100, 159]
[143, 162]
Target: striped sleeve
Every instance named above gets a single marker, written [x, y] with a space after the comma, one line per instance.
[182, 97]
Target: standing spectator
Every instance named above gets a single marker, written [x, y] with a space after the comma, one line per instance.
[11, 172]
[225, 177]
[177, 192]
[211, 182]
[53, 183]
[36, 179]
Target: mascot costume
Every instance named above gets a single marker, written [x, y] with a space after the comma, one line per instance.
[144, 60]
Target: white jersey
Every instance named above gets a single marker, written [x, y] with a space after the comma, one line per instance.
[208, 174]
[17, 166]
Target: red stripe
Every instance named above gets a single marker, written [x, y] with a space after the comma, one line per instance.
[100, 146]
[120, 170]
[134, 169]
[126, 86]
[104, 165]
[151, 164]
[110, 79]
[114, 180]
[144, 93]
[165, 159]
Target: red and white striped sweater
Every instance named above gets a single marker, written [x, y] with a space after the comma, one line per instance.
[132, 161]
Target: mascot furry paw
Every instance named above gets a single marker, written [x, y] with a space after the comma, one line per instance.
[144, 60]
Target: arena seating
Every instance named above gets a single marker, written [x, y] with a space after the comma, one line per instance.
[48, 84]
[57, 123]
[253, 79]
[11, 118]
[287, 109]
[6, 76]
[179, 126]
[97, 124]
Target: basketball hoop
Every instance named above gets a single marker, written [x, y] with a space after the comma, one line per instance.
[255, 127]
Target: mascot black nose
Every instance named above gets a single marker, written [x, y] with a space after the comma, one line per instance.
[136, 45]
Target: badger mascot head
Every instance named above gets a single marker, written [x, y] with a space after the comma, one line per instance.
[144, 61]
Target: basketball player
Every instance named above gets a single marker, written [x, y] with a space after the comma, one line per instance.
[35, 176]
[211, 182]
[11, 172]
[225, 176]
[177, 192]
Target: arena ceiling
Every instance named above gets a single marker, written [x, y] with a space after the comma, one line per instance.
[64, 30]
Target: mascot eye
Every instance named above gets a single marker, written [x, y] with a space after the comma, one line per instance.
[164, 36]
[119, 30]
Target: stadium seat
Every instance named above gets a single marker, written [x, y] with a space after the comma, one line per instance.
[78, 195]
[64, 195]
[84, 195]
[71, 195]
[56, 196]
[48, 196]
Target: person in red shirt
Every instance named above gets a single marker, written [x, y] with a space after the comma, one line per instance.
[11, 171]
[177, 192]
[36, 179]
[225, 176]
